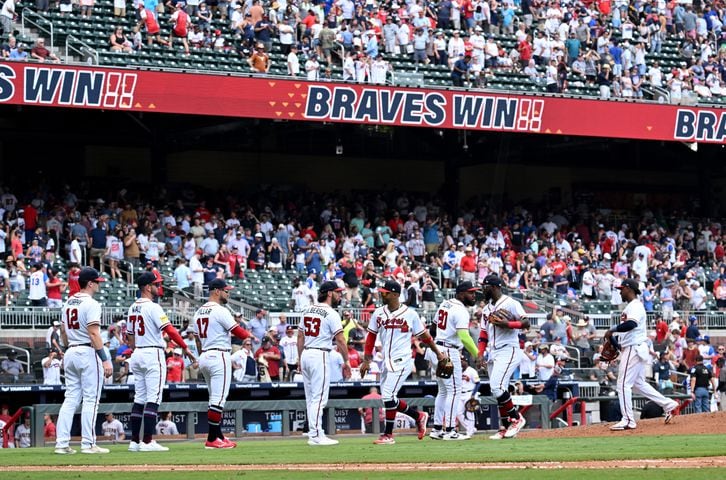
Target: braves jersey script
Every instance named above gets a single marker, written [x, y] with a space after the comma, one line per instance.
[451, 316]
[79, 312]
[145, 322]
[394, 330]
[321, 324]
[633, 311]
[212, 324]
[502, 337]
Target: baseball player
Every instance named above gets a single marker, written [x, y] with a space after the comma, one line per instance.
[213, 324]
[113, 429]
[146, 325]
[320, 326]
[86, 363]
[452, 334]
[501, 339]
[469, 389]
[395, 324]
[634, 357]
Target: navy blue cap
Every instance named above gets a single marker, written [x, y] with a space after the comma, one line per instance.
[493, 280]
[391, 286]
[466, 287]
[147, 278]
[330, 286]
[89, 274]
[219, 284]
[631, 284]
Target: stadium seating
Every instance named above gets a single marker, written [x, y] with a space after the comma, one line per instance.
[95, 32]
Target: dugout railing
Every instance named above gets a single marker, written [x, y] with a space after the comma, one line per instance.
[284, 406]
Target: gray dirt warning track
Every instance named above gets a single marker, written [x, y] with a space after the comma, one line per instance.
[689, 463]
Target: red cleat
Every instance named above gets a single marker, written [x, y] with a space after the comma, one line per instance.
[219, 444]
[421, 422]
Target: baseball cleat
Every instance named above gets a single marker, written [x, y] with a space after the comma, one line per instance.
[133, 446]
[65, 451]
[321, 440]
[515, 426]
[499, 435]
[385, 440]
[436, 434]
[152, 446]
[454, 435]
[94, 449]
[670, 413]
[230, 442]
[218, 443]
[623, 425]
[423, 419]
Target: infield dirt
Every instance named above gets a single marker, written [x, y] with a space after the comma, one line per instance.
[695, 424]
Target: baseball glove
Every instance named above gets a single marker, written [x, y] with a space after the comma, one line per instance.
[472, 405]
[610, 349]
[500, 317]
[445, 368]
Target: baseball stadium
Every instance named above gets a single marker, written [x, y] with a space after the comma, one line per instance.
[362, 239]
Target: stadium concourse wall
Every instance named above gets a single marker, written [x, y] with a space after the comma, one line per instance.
[282, 98]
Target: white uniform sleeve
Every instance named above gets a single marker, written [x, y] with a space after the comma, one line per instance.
[226, 319]
[416, 324]
[461, 318]
[161, 315]
[93, 313]
[335, 324]
[373, 323]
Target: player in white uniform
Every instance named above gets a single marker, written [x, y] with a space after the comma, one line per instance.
[469, 389]
[319, 327]
[113, 429]
[213, 324]
[501, 339]
[634, 357]
[394, 324]
[452, 334]
[146, 325]
[85, 363]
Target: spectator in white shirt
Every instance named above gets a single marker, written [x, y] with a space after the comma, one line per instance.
[293, 63]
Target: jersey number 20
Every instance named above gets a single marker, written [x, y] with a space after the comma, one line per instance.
[443, 319]
[312, 326]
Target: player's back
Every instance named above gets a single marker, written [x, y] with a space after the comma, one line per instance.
[320, 325]
[451, 316]
[146, 320]
[212, 324]
[79, 312]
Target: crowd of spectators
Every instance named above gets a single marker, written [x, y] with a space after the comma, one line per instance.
[359, 240]
[557, 44]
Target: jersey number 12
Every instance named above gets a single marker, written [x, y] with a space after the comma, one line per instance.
[72, 319]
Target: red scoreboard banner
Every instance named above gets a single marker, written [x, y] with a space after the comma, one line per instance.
[291, 99]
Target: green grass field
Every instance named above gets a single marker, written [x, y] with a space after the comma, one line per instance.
[408, 449]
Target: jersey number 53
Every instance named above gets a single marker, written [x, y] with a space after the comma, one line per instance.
[312, 326]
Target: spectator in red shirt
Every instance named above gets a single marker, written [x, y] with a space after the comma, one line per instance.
[367, 413]
[53, 287]
[30, 215]
[395, 223]
[175, 367]
[468, 266]
[272, 355]
[49, 428]
[42, 54]
[661, 331]
[73, 286]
